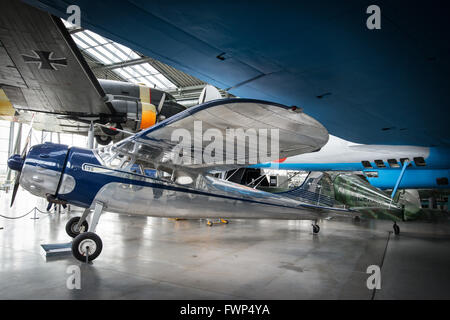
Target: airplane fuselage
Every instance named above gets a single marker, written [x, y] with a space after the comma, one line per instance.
[381, 164]
[76, 176]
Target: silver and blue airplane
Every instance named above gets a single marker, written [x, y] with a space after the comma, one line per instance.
[384, 166]
[121, 177]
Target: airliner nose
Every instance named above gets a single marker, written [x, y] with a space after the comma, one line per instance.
[15, 162]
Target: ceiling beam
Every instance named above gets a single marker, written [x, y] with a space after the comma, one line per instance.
[123, 64]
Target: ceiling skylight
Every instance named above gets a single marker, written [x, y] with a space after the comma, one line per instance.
[114, 56]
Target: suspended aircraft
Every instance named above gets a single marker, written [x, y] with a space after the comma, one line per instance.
[44, 75]
[385, 86]
[384, 166]
[356, 81]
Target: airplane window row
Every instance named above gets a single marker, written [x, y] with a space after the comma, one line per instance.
[393, 163]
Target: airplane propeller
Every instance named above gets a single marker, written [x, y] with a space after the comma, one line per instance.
[15, 162]
[16, 186]
[159, 116]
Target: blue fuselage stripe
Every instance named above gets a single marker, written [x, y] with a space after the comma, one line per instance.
[88, 184]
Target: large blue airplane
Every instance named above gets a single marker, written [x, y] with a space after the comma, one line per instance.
[384, 86]
[384, 166]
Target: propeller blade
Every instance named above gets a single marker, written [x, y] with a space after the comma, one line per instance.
[24, 150]
[160, 105]
[161, 102]
[16, 187]
[23, 155]
[28, 141]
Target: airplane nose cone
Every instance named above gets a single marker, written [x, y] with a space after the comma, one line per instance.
[15, 162]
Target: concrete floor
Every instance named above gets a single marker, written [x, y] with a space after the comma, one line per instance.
[152, 258]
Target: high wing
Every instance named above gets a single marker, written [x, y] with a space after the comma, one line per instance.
[41, 68]
[297, 133]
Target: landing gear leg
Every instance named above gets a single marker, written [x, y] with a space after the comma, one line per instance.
[396, 229]
[96, 216]
[87, 246]
[316, 227]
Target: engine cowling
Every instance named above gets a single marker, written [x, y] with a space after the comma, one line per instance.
[42, 169]
[137, 106]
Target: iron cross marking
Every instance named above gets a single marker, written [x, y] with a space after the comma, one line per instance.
[45, 60]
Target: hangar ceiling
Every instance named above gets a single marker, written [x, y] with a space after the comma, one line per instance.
[111, 60]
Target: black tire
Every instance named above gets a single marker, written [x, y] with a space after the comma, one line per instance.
[84, 239]
[396, 229]
[316, 229]
[103, 140]
[70, 227]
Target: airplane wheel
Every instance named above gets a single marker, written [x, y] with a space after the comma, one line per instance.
[82, 242]
[316, 228]
[396, 229]
[224, 221]
[71, 227]
[103, 140]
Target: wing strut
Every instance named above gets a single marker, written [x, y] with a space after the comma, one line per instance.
[400, 177]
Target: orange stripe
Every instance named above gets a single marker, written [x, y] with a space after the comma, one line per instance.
[148, 118]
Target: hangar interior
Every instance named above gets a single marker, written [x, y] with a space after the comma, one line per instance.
[161, 258]
[111, 60]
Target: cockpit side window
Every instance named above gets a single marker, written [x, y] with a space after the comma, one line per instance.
[366, 164]
[380, 164]
[136, 168]
[393, 163]
[420, 162]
